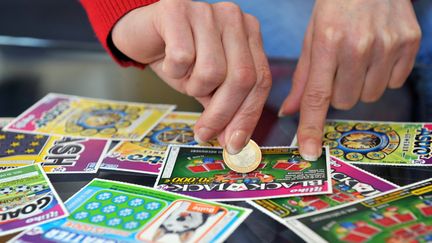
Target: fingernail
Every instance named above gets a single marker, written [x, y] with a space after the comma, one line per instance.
[281, 114]
[197, 139]
[237, 141]
[203, 135]
[311, 150]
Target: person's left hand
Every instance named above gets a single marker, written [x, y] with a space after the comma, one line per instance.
[353, 50]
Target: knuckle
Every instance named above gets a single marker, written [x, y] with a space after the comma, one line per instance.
[211, 76]
[203, 9]
[251, 114]
[360, 46]
[215, 72]
[180, 56]
[228, 8]
[329, 36]
[179, 5]
[244, 78]
[202, 5]
[316, 99]
[413, 36]
[264, 80]
[387, 41]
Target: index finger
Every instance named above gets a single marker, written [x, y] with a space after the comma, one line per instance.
[240, 78]
[247, 116]
[317, 95]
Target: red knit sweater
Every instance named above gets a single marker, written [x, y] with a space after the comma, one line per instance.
[103, 15]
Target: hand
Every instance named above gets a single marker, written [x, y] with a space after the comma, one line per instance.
[211, 52]
[353, 50]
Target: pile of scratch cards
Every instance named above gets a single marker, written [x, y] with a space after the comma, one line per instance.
[327, 200]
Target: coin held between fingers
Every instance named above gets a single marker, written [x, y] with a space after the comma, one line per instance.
[247, 160]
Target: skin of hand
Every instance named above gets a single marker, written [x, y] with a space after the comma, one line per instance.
[212, 52]
[353, 50]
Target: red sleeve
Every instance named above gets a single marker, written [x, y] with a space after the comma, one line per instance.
[103, 15]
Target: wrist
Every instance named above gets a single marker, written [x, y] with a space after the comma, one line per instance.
[103, 16]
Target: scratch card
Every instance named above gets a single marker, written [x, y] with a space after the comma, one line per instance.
[147, 155]
[382, 143]
[56, 154]
[201, 172]
[350, 184]
[399, 215]
[110, 211]
[75, 116]
[27, 198]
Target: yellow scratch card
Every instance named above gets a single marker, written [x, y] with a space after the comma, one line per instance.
[75, 116]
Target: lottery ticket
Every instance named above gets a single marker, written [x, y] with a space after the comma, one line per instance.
[55, 154]
[381, 143]
[110, 211]
[5, 120]
[399, 215]
[75, 116]
[27, 198]
[201, 172]
[349, 182]
[146, 156]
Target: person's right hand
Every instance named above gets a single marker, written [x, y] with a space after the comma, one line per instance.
[212, 52]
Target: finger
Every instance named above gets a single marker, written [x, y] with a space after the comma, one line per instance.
[240, 78]
[205, 101]
[400, 72]
[176, 31]
[376, 81]
[292, 103]
[410, 37]
[221, 139]
[404, 65]
[353, 61]
[316, 97]
[380, 69]
[210, 66]
[241, 127]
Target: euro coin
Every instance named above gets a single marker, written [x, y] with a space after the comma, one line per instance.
[246, 161]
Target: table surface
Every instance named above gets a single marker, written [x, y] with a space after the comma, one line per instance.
[29, 72]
